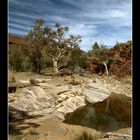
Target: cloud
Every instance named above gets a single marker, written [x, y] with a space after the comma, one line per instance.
[104, 21]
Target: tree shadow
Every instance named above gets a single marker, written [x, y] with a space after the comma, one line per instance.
[17, 118]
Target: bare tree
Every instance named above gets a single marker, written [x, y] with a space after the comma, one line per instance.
[57, 43]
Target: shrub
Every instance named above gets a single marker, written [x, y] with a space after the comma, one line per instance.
[16, 58]
[13, 80]
[33, 82]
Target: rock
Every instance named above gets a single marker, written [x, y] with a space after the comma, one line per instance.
[116, 86]
[95, 92]
[16, 115]
[71, 104]
[56, 98]
[53, 88]
[76, 82]
[112, 113]
[33, 99]
[45, 98]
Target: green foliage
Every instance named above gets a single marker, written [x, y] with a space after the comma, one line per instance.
[15, 58]
[51, 41]
[84, 62]
[78, 57]
[35, 40]
[95, 46]
[75, 56]
[44, 44]
[100, 53]
[74, 41]
[41, 48]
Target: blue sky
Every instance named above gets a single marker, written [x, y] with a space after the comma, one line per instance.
[104, 21]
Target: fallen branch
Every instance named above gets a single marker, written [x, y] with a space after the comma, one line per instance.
[118, 135]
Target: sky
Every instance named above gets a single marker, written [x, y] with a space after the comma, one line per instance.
[104, 21]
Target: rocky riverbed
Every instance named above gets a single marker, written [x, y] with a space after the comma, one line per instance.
[52, 98]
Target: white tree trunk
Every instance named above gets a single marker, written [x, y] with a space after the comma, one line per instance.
[106, 69]
[55, 65]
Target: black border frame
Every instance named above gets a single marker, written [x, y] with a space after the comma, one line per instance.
[3, 71]
[136, 70]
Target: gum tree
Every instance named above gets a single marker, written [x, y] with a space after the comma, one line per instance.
[35, 41]
[53, 40]
[57, 43]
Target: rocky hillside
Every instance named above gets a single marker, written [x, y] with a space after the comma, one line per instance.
[15, 40]
[121, 53]
[120, 56]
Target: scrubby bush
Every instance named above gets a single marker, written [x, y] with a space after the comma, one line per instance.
[15, 58]
[79, 57]
[124, 70]
[33, 81]
[13, 79]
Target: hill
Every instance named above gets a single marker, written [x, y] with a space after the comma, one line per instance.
[15, 40]
[122, 54]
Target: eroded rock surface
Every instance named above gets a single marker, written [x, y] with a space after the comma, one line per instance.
[57, 99]
[31, 105]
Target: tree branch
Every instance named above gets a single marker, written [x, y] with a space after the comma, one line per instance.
[60, 53]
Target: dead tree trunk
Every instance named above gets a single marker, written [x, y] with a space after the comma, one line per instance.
[55, 61]
[106, 68]
[55, 65]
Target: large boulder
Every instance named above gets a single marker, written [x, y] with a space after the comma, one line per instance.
[112, 113]
[33, 99]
